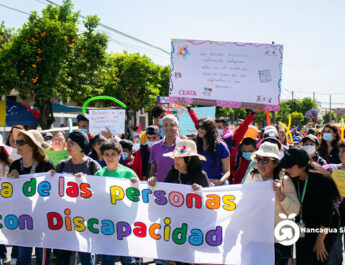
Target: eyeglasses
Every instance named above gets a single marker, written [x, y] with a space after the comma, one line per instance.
[21, 142]
[198, 127]
[70, 143]
[58, 140]
[263, 160]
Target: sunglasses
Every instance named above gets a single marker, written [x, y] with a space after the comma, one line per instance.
[200, 127]
[21, 142]
[263, 160]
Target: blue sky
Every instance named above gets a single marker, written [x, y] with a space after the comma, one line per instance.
[312, 32]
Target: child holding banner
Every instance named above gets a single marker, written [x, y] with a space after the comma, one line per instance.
[111, 152]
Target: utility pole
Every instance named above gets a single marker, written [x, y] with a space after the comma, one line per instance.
[330, 107]
[292, 101]
[314, 96]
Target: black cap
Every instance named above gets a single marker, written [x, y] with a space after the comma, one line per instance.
[312, 138]
[97, 137]
[82, 117]
[294, 156]
[152, 129]
[81, 139]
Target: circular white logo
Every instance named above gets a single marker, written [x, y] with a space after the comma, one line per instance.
[287, 231]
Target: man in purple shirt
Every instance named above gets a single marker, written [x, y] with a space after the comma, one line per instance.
[161, 165]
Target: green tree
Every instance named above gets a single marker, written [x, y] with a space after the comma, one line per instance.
[297, 118]
[307, 104]
[326, 119]
[260, 118]
[283, 114]
[295, 105]
[164, 80]
[224, 112]
[86, 73]
[139, 81]
[5, 34]
[239, 114]
[48, 58]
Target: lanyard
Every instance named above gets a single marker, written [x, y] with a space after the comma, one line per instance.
[304, 189]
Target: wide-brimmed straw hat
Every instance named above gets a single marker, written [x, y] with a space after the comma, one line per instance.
[34, 135]
[185, 148]
[267, 149]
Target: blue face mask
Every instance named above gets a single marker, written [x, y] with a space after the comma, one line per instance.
[160, 122]
[124, 155]
[84, 131]
[247, 155]
[327, 137]
[220, 132]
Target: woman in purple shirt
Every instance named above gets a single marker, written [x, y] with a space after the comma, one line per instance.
[216, 152]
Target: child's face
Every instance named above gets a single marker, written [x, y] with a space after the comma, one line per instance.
[111, 157]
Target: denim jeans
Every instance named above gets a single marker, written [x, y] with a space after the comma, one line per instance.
[110, 260]
[25, 253]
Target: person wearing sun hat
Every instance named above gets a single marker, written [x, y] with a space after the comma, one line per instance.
[33, 160]
[318, 195]
[187, 165]
[286, 201]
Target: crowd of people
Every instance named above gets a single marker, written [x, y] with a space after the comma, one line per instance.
[300, 170]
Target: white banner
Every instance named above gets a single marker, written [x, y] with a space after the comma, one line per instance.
[230, 74]
[220, 225]
[113, 119]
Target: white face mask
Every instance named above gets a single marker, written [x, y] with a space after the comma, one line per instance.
[49, 142]
[310, 149]
[149, 144]
[136, 147]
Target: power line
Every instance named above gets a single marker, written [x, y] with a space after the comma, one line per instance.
[15, 9]
[122, 33]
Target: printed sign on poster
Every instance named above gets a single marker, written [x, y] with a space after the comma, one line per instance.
[229, 74]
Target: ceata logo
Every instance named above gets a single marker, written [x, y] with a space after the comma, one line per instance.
[187, 92]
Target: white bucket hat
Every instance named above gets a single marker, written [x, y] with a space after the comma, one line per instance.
[185, 148]
[35, 136]
[267, 149]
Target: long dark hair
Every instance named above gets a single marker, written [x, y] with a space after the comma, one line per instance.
[323, 146]
[316, 168]
[4, 156]
[210, 137]
[19, 127]
[194, 165]
[38, 153]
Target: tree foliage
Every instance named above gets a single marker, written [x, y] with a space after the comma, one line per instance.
[139, 80]
[48, 58]
[326, 119]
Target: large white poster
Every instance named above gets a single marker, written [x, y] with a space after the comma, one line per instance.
[230, 74]
[219, 225]
[113, 119]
